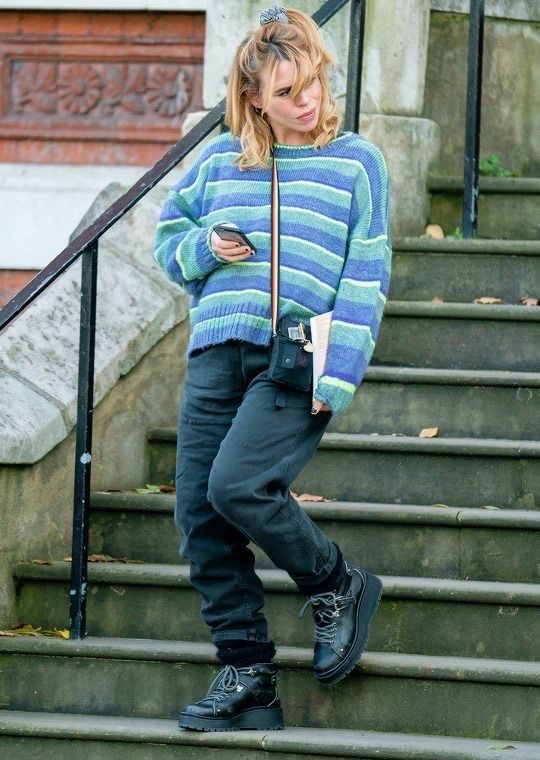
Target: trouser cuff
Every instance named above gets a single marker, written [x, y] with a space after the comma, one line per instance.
[243, 652]
[334, 580]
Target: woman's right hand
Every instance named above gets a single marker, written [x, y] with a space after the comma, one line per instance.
[228, 250]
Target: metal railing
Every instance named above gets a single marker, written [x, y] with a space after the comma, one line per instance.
[86, 245]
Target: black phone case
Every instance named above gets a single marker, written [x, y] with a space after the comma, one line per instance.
[230, 233]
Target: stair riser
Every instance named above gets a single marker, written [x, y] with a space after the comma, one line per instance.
[462, 277]
[23, 748]
[402, 478]
[367, 702]
[385, 548]
[497, 217]
[459, 343]
[453, 628]
[459, 411]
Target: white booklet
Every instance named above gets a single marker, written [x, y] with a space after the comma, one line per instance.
[320, 333]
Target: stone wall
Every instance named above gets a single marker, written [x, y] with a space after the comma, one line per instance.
[140, 353]
[511, 83]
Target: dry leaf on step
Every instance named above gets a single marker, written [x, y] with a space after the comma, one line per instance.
[437, 300]
[488, 299]
[435, 231]
[309, 497]
[528, 301]
[25, 629]
[432, 432]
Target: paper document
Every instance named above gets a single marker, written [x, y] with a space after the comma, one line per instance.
[320, 333]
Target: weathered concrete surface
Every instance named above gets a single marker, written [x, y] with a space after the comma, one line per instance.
[394, 67]
[136, 307]
[410, 147]
[36, 501]
[141, 340]
[511, 78]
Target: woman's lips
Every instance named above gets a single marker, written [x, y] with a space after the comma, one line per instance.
[307, 116]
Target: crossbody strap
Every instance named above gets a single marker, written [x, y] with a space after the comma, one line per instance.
[274, 264]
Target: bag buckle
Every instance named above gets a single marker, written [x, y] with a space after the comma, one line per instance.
[297, 333]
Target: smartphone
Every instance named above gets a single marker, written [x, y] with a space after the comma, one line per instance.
[233, 233]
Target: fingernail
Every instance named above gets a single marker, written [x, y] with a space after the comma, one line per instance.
[313, 410]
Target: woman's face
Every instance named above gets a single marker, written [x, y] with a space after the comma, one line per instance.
[290, 119]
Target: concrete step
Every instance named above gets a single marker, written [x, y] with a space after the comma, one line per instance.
[461, 403]
[414, 694]
[403, 469]
[507, 206]
[463, 270]
[459, 336]
[430, 616]
[388, 539]
[104, 737]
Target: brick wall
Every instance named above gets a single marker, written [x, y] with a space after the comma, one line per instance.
[97, 87]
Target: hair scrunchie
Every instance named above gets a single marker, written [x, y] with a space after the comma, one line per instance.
[274, 13]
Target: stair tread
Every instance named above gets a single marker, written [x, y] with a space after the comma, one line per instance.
[401, 665]
[329, 742]
[349, 510]
[357, 441]
[410, 587]
[487, 184]
[460, 310]
[489, 246]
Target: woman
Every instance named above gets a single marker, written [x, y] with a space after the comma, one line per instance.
[244, 438]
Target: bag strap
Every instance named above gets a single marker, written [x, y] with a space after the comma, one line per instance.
[274, 266]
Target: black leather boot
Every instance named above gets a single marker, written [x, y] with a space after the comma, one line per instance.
[239, 698]
[342, 620]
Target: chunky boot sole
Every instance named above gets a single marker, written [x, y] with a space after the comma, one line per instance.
[367, 605]
[258, 718]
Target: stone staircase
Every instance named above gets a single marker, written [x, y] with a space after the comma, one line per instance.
[450, 523]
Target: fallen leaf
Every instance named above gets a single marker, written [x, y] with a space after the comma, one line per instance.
[432, 432]
[162, 488]
[167, 489]
[108, 558]
[440, 505]
[434, 231]
[41, 562]
[436, 299]
[488, 506]
[488, 299]
[528, 301]
[309, 497]
[25, 629]
[149, 489]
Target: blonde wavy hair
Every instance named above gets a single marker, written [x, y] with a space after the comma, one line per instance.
[300, 42]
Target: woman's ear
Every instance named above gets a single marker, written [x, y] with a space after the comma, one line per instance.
[255, 101]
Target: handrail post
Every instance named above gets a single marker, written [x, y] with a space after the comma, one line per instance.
[83, 448]
[354, 65]
[472, 118]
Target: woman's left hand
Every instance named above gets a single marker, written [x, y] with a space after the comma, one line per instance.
[320, 406]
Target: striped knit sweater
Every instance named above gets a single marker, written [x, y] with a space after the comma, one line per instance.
[335, 250]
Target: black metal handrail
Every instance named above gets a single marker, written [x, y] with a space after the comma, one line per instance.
[475, 56]
[86, 245]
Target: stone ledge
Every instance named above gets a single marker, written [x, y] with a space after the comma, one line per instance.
[39, 351]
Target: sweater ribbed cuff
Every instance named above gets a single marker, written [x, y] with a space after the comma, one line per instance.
[338, 394]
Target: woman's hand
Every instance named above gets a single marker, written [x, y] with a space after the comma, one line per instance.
[228, 250]
[319, 406]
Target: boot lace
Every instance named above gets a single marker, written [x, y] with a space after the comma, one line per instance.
[225, 683]
[326, 609]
